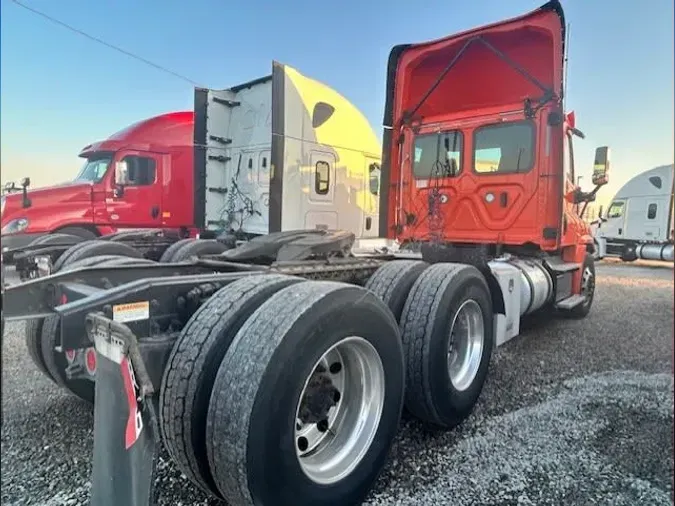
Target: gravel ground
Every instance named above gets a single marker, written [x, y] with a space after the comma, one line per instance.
[573, 413]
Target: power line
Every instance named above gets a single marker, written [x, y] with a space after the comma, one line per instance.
[104, 43]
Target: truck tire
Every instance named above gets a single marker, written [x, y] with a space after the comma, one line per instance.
[587, 289]
[438, 391]
[198, 247]
[63, 258]
[56, 362]
[34, 326]
[95, 248]
[34, 345]
[193, 364]
[629, 253]
[85, 233]
[392, 282]
[264, 435]
[56, 238]
[167, 256]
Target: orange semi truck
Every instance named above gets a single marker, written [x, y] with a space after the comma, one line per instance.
[275, 372]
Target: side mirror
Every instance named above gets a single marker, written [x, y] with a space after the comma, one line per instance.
[601, 166]
[25, 201]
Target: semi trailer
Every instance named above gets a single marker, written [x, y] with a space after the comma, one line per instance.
[275, 372]
[210, 173]
[639, 220]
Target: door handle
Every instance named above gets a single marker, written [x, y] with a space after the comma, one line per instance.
[154, 211]
[503, 199]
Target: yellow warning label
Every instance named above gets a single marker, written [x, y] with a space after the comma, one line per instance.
[131, 312]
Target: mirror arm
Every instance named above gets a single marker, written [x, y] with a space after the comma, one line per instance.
[578, 133]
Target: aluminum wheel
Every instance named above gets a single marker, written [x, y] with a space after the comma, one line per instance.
[587, 285]
[465, 350]
[339, 410]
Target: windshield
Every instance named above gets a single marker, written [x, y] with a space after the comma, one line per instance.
[94, 168]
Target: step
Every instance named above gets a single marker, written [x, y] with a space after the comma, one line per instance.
[570, 302]
[560, 266]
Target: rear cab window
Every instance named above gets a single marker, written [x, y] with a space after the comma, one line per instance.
[438, 154]
[504, 148]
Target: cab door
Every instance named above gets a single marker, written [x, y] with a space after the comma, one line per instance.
[138, 203]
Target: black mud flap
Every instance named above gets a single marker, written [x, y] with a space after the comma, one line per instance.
[126, 436]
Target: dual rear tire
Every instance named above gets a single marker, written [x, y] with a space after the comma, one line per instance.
[445, 316]
[286, 391]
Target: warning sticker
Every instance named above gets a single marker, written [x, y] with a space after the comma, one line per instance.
[132, 312]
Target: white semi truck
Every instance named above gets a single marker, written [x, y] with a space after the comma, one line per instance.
[639, 220]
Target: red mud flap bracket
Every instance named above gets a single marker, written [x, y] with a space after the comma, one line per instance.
[126, 435]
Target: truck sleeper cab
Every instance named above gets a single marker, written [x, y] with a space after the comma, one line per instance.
[639, 220]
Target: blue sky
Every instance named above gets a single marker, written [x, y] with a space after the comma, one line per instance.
[61, 91]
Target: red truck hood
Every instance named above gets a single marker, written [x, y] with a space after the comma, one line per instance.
[484, 72]
[45, 197]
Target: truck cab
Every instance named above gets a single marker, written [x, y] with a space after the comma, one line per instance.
[158, 153]
[638, 223]
[478, 150]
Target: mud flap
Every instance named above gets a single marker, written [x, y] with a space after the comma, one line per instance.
[126, 436]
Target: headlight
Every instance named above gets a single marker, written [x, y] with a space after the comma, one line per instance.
[15, 226]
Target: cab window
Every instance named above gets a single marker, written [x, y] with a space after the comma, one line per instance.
[615, 210]
[505, 148]
[568, 157]
[141, 171]
[94, 168]
[438, 154]
[322, 178]
[374, 172]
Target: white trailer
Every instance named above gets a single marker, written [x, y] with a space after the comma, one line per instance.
[639, 221]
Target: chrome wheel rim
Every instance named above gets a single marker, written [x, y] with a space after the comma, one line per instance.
[465, 348]
[339, 410]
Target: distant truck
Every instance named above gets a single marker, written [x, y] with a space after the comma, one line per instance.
[272, 154]
[639, 221]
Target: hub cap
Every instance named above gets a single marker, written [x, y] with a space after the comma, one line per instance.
[465, 350]
[339, 410]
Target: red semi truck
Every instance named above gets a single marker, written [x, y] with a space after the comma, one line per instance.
[210, 173]
[86, 207]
